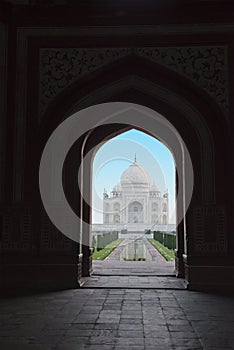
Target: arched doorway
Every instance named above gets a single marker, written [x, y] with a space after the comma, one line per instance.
[118, 175]
[134, 187]
[135, 212]
[195, 134]
[101, 133]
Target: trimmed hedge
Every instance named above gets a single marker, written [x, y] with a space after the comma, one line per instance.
[167, 239]
[106, 238]
[103, 253]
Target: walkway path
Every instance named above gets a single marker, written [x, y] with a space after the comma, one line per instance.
[139, 268]
[112, 273]
[155, 255]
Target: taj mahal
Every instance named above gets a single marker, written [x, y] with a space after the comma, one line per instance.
[135, 200]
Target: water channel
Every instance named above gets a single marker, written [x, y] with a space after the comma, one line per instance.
[135, 250]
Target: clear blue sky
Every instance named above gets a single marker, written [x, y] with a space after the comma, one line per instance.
[115, 155]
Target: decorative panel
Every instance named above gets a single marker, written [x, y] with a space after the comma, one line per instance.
[17, 231]
[209, 230]
[61, 67]
[206, 66]
[51, 238]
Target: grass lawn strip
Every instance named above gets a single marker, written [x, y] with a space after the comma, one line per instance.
[103, 253]
[167, 253]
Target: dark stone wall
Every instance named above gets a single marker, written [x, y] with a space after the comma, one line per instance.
[52, 66]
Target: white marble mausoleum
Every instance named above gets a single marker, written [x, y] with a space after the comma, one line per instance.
[135, 200]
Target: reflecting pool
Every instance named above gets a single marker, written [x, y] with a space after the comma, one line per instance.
[135, 250]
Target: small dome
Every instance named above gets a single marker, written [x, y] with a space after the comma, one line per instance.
[135, 175]
[154, 188]
[117, 188]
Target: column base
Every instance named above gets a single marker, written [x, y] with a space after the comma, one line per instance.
[179, 264]
[87, 268]
[18, 278]
[210, 278]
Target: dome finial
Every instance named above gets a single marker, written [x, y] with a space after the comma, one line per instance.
[135, 158]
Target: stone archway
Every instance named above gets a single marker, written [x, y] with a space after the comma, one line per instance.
[98, 135]
[135, 212]
[186, 83]
[191, 125]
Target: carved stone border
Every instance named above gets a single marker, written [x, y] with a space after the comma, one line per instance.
[203, 219]
[206, 66]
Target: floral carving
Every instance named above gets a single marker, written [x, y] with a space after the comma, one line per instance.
[210, 227]
[206, 66]
[61, 67]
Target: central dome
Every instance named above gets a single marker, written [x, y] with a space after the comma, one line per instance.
[135, 176]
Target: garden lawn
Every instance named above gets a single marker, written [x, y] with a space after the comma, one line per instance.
[103, 253]
[167, 253]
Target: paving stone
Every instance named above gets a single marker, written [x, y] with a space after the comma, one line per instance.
[130, 342]
[81, 326]
[157, 334]
[85, 319]
[102, 340]
[183, 335]
[79, 332]
[103, 326]
[70, 347]
[131, 327]
[155, 328]
[21, 346]
[108, 320]
[133, 347]
[181, 322]
[157, 342]
[159, 347]
[57, 326]
[131, 316]
[132, 321]
[73, 339]
[45, 339]
[190, 343]
[180, 328]
[196, 347]
[104, 333]
[109, 312]
[99, 347]
[130, 334]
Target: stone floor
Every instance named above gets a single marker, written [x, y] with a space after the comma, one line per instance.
[124, 305]
[117, 319]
